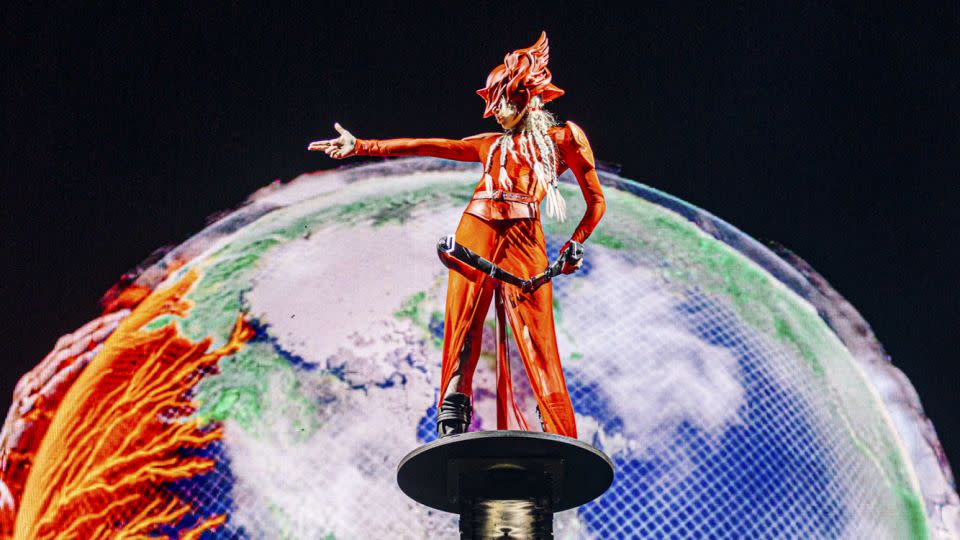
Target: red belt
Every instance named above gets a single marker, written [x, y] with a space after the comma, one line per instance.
[497, 205]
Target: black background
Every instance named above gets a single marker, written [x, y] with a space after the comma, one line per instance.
[832, 130]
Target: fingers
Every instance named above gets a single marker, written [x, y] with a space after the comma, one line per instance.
[571, 268]
[321, 145]
[334, 147]
[324, 146]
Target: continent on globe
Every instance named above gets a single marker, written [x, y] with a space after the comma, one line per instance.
[499, 242]
[738, 394]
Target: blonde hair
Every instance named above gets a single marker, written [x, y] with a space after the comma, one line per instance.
[538, 150]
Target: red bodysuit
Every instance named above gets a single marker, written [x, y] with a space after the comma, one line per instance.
[505, 229]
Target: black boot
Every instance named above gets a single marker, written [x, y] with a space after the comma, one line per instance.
[454, 414]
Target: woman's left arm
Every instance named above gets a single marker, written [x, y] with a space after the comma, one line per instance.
[575, 151]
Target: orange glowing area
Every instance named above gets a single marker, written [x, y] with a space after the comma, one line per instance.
[99, 461]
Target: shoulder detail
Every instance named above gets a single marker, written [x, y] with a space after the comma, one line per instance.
[576, 142]
[578, 134]
[481, 136]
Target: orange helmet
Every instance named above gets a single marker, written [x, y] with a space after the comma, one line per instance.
[522, 75]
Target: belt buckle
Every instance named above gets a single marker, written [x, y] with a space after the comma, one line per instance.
[498, 195]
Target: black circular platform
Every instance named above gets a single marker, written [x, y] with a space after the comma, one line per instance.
[504, 465]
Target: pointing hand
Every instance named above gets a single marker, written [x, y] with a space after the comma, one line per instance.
[338, 148]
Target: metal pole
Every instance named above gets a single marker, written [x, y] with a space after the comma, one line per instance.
[506, 519]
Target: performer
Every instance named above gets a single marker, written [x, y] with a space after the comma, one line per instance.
[502, 224]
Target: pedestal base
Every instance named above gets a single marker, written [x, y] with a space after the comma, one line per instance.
[505, 484]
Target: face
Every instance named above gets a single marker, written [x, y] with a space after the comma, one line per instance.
[507, 114]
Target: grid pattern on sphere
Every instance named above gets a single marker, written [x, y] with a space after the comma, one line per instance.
[787, 467]
[773, 459]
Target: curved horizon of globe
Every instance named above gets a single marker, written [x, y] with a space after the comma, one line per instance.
[695, 357]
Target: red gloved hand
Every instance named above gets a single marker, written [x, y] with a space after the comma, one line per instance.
[574, 259]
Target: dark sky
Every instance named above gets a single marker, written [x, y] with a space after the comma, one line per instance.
[830, 130]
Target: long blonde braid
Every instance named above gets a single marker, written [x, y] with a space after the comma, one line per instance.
[538, 150]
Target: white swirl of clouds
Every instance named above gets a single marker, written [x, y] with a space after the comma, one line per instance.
[650, 367]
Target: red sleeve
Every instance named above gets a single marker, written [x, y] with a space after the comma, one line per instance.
[576, 153]
[463, 150]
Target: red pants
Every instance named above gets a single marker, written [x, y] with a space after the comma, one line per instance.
[517, 246]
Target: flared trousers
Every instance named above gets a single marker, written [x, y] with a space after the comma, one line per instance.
[517, 246]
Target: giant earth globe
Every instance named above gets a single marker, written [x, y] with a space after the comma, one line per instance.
[264, 379]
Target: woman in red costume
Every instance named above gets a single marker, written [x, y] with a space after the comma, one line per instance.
[502, 224]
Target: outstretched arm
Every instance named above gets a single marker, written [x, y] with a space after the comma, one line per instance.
[467, 150]
[347, 145]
